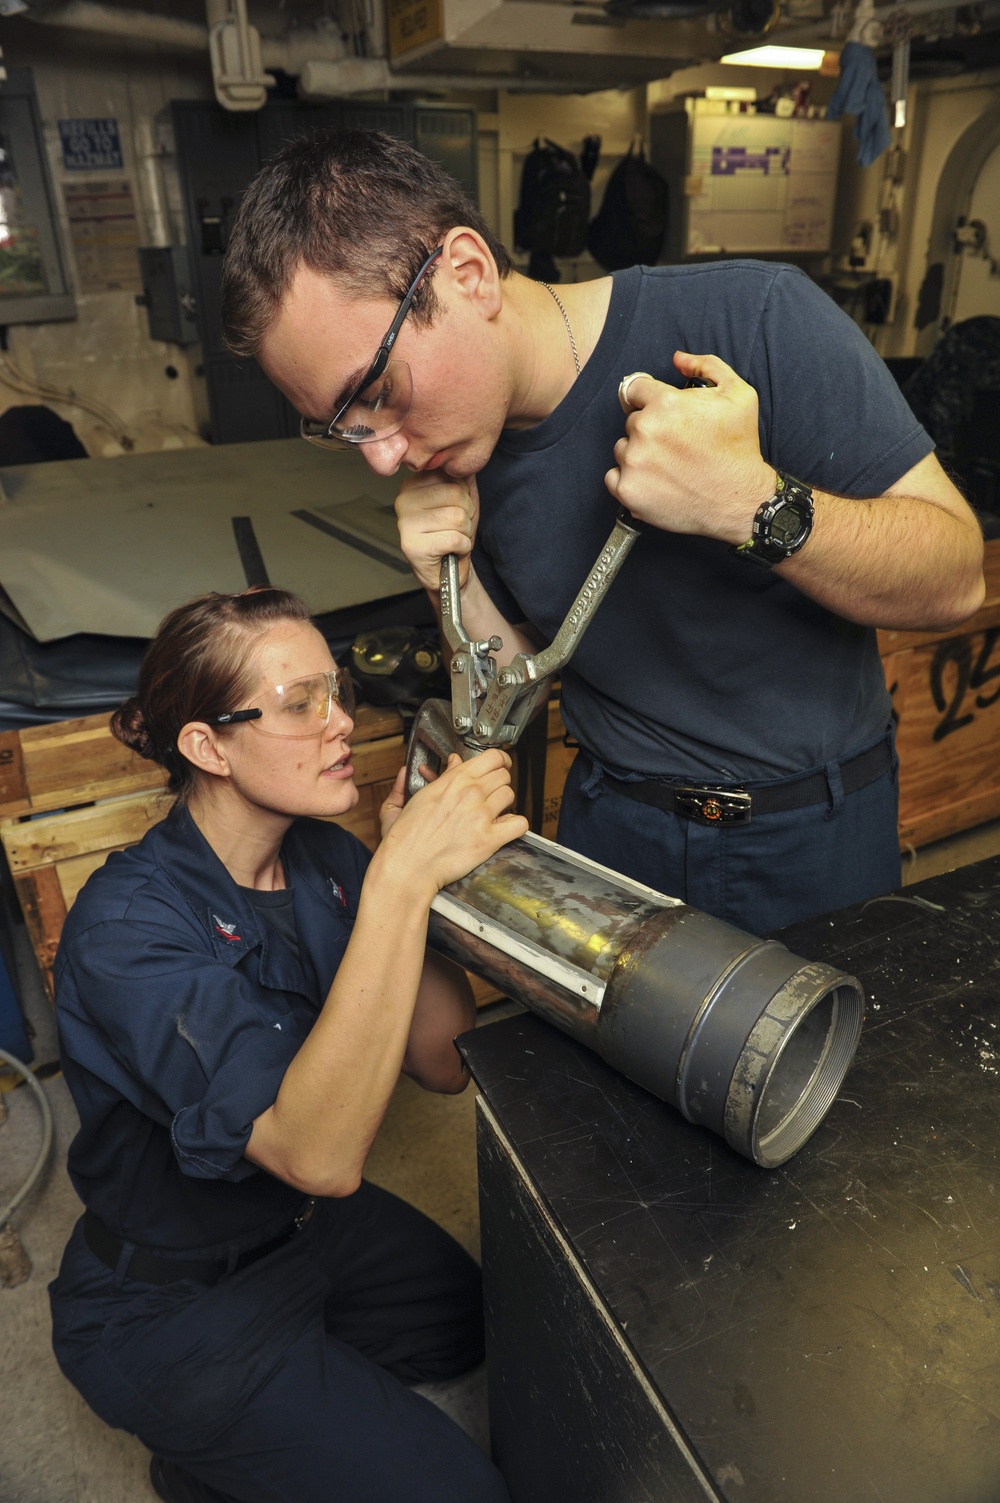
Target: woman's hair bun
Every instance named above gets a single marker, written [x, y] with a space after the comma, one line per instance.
[128, 724]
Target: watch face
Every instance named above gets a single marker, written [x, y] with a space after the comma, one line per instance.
[786, 525]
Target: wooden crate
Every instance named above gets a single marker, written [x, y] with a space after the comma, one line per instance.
[946, 699]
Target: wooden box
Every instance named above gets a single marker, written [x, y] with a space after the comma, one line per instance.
[946, 701]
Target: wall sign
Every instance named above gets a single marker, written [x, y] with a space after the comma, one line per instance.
[412, 24]
[91, 145]
[105, 235]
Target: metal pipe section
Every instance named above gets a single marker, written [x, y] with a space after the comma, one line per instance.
[154, 197]
[738, 1033]
[324, 78]
[136, 25]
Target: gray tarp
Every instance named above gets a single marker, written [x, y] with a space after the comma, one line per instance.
[109, 546]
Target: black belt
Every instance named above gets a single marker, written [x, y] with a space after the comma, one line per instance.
[710, 805]
[151, 1268]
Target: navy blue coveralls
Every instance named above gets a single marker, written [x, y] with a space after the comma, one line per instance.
[271, 1377]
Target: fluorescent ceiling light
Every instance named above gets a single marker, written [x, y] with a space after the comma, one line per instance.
[776, 57]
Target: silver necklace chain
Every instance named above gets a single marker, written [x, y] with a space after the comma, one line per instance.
[569, 326]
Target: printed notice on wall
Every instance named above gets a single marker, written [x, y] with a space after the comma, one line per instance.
[412, 24]
[765, 183]
[105, 235]
[91, 145]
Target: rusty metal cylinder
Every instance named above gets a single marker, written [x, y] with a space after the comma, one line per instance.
[738, 1033]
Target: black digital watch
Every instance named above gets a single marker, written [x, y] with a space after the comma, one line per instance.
[781, 525]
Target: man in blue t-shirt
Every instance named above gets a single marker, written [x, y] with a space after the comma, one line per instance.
[728, 698]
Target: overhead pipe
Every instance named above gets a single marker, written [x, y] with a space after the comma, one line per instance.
[288, 52]
[321, 79]
[737, 1033]
[135, 25]
[316, 55]
[154, 197]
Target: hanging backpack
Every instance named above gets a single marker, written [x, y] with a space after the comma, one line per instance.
[554, 205]
[631, 225]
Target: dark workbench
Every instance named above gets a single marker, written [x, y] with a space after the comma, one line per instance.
[667, 1321]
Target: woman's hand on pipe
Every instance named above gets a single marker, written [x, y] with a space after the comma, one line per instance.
[454, 823]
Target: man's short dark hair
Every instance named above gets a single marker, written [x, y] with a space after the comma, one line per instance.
[359, 205]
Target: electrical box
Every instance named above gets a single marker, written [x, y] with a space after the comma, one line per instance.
[167, 293]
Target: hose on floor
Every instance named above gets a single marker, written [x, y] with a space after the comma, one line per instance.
[14, 1264]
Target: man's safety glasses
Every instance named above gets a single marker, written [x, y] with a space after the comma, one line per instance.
[298, 710]
[378, 406]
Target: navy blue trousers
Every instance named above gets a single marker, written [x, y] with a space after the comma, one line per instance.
[779, 869]
[287, 1382]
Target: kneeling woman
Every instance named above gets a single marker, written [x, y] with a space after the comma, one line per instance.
[236, 998]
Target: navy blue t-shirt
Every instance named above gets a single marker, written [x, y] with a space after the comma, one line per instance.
[699, 664]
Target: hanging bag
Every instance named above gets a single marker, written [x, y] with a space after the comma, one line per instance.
[631, 225]
[554, 204]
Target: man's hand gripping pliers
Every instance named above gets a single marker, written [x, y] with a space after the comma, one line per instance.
[490, 707]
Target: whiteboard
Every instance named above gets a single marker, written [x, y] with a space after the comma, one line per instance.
[761, 183]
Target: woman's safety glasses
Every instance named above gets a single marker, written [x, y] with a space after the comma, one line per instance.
[380, 403]
[298, 710]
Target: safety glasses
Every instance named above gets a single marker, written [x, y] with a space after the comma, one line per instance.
[297, 710]
[380, 403]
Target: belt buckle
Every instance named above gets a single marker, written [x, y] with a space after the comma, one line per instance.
[713, 806]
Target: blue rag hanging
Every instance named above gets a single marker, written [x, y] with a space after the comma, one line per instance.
[859, 93]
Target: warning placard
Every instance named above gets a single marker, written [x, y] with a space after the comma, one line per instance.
[91, 145]
[105, 235]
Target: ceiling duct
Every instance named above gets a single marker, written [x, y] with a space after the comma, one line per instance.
[320, 79]
[523, 45]
[116, 21]
[520, 45]
[582, 45]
